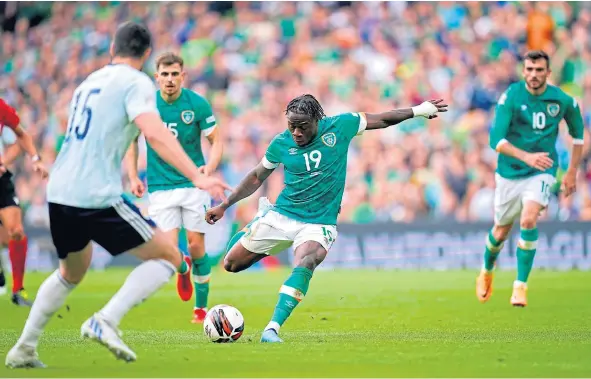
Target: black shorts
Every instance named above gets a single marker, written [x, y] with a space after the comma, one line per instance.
[7, 193]
[117, 229]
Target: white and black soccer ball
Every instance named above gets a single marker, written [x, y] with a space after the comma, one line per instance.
[223, 323]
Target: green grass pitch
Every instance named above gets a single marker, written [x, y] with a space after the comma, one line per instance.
[351, 324]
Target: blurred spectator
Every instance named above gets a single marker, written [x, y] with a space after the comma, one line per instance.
[250, 58]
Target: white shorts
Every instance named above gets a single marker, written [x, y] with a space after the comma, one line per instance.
[171, 209]
[511, 194]
[273, 232]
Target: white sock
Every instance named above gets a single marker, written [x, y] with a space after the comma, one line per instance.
[145, 280]
[51, 296]
[273, 325]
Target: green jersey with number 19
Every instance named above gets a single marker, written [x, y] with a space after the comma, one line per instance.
[531, 123]
[186, 118]
[315, 174]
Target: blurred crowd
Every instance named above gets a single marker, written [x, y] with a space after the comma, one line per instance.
[250, 58]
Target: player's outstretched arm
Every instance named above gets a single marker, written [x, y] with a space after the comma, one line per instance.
[167, 147]
[428, 109]
[251, 182]
[136, 185]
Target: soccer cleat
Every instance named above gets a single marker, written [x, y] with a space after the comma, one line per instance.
[199, 315]
[184, 285]
[99, 330]
[21, 356]
[519, 297]
[21, 298]
[484, 286]
[270, 336]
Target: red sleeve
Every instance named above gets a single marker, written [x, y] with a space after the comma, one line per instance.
[8, 116]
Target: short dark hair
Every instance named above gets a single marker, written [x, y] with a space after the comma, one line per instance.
[132, 40]
[168, 59]
[534, 55]
[307, 105]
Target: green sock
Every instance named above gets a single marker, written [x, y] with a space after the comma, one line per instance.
[291, 293]
[201, 274]
[526, 251]
[184, 267]
[491, 252]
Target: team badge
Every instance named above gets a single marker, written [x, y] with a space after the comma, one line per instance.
[553, 109]
[188, 117]
[329, 139]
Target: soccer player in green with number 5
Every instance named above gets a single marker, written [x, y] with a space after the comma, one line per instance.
[524, 133]
[313, 151]
[174, 201]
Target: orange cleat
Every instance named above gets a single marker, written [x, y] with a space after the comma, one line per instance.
[484, 286]
[184, 285]
[519, 297]
[199, 315]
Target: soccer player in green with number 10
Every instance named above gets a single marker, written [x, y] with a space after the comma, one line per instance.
[174, 201]
[524, 133]
[313, 151]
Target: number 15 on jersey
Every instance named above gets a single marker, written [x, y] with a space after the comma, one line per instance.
[79, 122]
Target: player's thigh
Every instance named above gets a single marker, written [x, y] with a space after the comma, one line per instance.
[269, 234]
[75, 265]
[69, 229]
[507, 203]
[193, 208]
[158, 247]
[12, 219]
[122, 228]
[4, 237]
[165, 209]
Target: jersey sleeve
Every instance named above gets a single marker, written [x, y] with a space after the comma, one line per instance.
[207, 122]
[272, 157]
[352, 124]
[140, 98]
[502, 120]
[574, 121]
[8, 116]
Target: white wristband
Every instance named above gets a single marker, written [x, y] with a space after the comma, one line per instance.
[426, 109]
[35, 158]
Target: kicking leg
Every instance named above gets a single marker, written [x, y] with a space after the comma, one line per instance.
[494, 244]
[526, 251]
[201, 274]
[17, 249]
[307, 257]
[51, 296]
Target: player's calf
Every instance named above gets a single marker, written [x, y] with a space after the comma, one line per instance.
[493, 246]
[526, 250]
[308, 256]
[238, 257]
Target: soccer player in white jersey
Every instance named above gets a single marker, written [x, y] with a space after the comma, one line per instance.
[107, 112]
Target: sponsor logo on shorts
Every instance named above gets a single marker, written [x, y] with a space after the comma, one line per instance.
[188, 117]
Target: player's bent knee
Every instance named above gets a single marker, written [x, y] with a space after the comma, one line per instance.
[232, 266]
[501, 232]
[528, 222]
[71, 276]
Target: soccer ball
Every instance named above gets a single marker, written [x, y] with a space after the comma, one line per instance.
[223, 323]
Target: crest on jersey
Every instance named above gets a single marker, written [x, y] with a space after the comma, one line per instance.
[553, 109]
[188, 117]
[329, 139]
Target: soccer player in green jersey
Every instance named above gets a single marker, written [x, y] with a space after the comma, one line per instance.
[174, 200]
[524, 133]
[313, 151]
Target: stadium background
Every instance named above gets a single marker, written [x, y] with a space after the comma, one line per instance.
[418, 195]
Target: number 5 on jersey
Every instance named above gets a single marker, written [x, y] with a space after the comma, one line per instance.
[172, 127]
[75, 124]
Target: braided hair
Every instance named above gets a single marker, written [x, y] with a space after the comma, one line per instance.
[306, 105]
